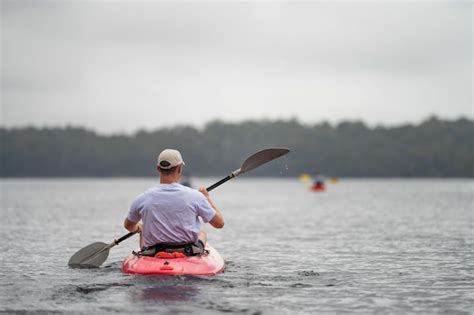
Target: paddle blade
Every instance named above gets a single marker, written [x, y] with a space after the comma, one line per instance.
[91, 256]
[262, 157]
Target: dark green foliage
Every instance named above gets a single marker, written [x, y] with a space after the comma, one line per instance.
[434, 148]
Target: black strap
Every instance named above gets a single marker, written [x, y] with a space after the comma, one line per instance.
[189, 249]
[165, 245]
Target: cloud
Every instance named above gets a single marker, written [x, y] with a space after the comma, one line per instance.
[132, 62]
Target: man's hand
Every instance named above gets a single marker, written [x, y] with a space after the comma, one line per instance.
[139, 228]
[204, 191]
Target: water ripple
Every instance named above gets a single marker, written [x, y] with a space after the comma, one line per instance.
[364, 246]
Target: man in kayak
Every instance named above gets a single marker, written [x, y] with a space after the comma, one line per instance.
[170, 211]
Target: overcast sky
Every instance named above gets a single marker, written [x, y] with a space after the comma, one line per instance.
[118, 66]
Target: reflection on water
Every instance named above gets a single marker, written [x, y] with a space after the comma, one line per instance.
[378, 246]
[165, 288]
[168, 293]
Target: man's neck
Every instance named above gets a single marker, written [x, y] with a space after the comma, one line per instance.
[168, 179]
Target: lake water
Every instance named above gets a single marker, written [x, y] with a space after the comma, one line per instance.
[365, 245]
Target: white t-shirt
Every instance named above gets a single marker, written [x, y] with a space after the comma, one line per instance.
[170, 213]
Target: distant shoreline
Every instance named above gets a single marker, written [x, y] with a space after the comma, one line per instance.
[433, 149]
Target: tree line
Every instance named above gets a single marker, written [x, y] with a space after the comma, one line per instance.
[432, 148]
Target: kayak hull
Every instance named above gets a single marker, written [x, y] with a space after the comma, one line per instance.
[205, 265]
[317, 187]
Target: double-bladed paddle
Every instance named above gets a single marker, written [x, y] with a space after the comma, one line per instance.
[95, 254]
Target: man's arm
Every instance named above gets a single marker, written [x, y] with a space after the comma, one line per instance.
[218, 220]
[132, 226]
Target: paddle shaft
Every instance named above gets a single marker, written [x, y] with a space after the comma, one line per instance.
[123, 238]
[222, 181]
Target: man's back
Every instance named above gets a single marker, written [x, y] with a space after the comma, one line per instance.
[170, 213]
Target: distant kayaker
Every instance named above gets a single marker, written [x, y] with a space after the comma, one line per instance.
[318, 183]
[170, 211]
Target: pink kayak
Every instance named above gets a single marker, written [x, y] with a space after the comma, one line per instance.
[175, 265]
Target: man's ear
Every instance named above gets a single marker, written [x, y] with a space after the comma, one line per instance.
[158, 169]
